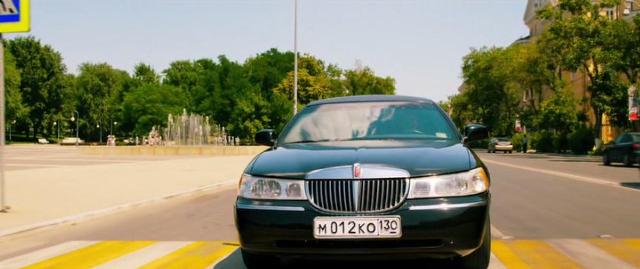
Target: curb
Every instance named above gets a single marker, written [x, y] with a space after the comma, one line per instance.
[110, 210]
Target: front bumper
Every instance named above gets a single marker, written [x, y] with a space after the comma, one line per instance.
[436, 227]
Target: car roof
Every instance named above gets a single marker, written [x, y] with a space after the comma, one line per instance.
[372, 98]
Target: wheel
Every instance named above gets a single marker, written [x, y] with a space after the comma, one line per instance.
[256, 261]
[606, 160]
[511, 152]
[479, 259]
[627, 160]
[488, 151]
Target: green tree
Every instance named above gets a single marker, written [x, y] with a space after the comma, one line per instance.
[268, 70]
[145, 74]
[41, 80]
[313, 81]
[364, 81]
[576, 39]
[610, 96]
[16, 109]
[184, 74]
[489, 96]
[98, 93]
[149, 106]
[558, 113]
[624, 38]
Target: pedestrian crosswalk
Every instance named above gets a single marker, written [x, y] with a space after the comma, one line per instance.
[552, 253]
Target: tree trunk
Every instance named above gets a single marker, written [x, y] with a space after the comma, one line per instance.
[597, 128]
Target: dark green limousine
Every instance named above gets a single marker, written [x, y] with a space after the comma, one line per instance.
[366, 177]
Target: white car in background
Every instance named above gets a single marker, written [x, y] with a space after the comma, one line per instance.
[500, 144]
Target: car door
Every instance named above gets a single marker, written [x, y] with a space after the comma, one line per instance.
[621, 148]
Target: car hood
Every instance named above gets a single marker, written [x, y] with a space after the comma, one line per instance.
[419, 158]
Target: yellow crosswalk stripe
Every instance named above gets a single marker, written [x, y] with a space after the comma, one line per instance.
[532, 254]
[507, 256]
[93, 255]
[195, 255]
[627, 250]
[519, 254]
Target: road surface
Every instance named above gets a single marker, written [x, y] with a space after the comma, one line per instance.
[547, 212]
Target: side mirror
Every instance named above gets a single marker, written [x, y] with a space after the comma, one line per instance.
[475, 132]
[266, 137]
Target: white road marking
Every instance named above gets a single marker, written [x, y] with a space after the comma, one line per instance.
[495, 233]
[587, 255]
[44, 254]
[495, 263]
[144, 256]
[592, 180]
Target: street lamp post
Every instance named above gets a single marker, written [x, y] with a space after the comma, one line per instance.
[55, 123]
[112, 124]
[100, 132]
[77, 125]
[295, 57]
[10, 127]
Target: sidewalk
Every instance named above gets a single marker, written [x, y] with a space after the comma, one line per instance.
[51, 195]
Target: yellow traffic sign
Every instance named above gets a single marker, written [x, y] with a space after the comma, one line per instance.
[15, 16]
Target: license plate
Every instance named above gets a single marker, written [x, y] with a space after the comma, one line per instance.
[357, 227]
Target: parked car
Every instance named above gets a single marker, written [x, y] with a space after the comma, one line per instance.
[71, 141]
[366, 177]
[500, 144]
[42, 141]
[624, 149]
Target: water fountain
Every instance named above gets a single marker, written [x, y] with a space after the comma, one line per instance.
[187, 129]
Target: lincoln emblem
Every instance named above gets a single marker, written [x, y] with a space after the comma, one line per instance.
[356, 170]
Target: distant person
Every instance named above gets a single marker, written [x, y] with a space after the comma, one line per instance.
[525, 141]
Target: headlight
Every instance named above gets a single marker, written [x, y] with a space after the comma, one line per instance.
[471, 182]
[271, 188]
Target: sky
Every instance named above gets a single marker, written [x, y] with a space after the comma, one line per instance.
[420, 43]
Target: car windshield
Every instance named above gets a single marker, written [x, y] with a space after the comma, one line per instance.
[368, 121]
[636, 137]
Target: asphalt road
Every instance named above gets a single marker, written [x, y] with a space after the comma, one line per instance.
[534, 197]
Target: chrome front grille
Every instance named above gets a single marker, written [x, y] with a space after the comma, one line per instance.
[357, 195]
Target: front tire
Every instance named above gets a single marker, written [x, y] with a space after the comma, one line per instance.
[480, 258]
[257, 261]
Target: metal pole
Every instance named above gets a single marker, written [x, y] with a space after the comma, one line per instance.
[3, 205]
[295, 57]
[77, 126]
